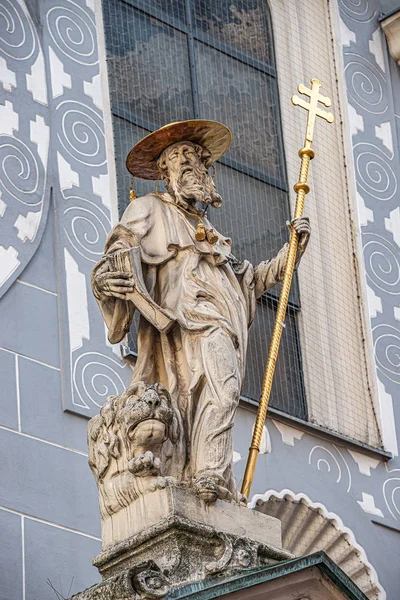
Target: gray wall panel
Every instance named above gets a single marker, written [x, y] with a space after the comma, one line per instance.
[41, 270]
[29, 323]
[8, 403]
[10, 556]
[51, 483]
[41, 407]
[60, 557]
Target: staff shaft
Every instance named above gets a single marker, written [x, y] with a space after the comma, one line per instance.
[302, 189]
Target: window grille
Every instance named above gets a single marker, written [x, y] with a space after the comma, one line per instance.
[170, 60]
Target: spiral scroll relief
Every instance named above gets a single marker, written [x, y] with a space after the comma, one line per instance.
[73, 32]
[374, 172]
[382, 260]
[387, 351]
[358, 10]
[21, 173]
[81, 133]
[86, 226]
[365, 83]
[95, 377]
[17, 35]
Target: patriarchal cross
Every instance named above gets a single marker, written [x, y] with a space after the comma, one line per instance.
[301, 188]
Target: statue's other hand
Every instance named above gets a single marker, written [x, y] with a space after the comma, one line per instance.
[302, 227]
[115, 284]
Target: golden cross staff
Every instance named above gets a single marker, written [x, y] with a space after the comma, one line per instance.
[301, 188]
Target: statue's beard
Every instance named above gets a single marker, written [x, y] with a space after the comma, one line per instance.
[194, 184]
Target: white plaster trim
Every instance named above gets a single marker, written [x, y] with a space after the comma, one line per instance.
[40, 134]
[346, 34]
[368, 505]
[23, 557]
[356, 121]
[30, 358]
[392, 224]
[36, 287]
[9, 118]
[387, 418]
[58, 77]
[289, 434]
[236, 457]
[384, 133]
[9, 262]
[51, 523]
[364, 463]
[36, 81]
[94, 91]
[28, 226]
[77, 303]
[3, 207]
[375, 47]
[43, 441]
[374, 303]
[352, 187]
[67, 176]
[7, 77]
[18, 393]
[112, 192]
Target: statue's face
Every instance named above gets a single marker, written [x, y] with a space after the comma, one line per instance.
[186, 176]
[181, 158]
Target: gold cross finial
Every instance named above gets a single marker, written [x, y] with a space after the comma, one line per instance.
[312, 106]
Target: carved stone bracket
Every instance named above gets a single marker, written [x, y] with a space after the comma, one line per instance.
[144, 581]
[190, 542]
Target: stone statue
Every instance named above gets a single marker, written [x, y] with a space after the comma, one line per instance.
[197, 302]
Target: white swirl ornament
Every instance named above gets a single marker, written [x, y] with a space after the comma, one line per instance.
[374, 172]
[18, 39]
[24, 188]
[82, 133]
[96, 376]
[86, 226]
[382, 263]
[387, 351]
[358, 10]
[366, 83]
[73, 31]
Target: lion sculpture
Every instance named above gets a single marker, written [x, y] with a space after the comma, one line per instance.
[125, 442]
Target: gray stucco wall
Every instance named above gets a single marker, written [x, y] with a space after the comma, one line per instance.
[53, 353]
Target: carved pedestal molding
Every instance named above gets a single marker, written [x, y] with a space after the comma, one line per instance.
[158, 535]
[176, 539]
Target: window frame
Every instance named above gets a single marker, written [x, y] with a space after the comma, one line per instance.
[193, 35]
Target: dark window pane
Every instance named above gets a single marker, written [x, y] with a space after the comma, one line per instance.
[170, 10]
[243, 25]
[254, 215]
[245, 99]
[148, 67]
[126, 135]
[288, 388]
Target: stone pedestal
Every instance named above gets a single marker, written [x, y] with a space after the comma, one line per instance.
[178, 540]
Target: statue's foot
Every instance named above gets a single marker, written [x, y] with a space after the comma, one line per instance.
[207, 489]
[145, 465]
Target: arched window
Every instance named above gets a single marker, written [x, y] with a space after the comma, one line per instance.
[170, 60]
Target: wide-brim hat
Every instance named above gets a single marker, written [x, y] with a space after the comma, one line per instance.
[142, 159]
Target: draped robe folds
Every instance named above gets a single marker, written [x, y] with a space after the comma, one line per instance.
[201, 360]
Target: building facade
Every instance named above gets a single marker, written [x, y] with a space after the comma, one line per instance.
[81, 82]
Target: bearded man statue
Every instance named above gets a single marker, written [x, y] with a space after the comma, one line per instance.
[208, 296]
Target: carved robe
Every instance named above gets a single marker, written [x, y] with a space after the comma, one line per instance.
[201, 361]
